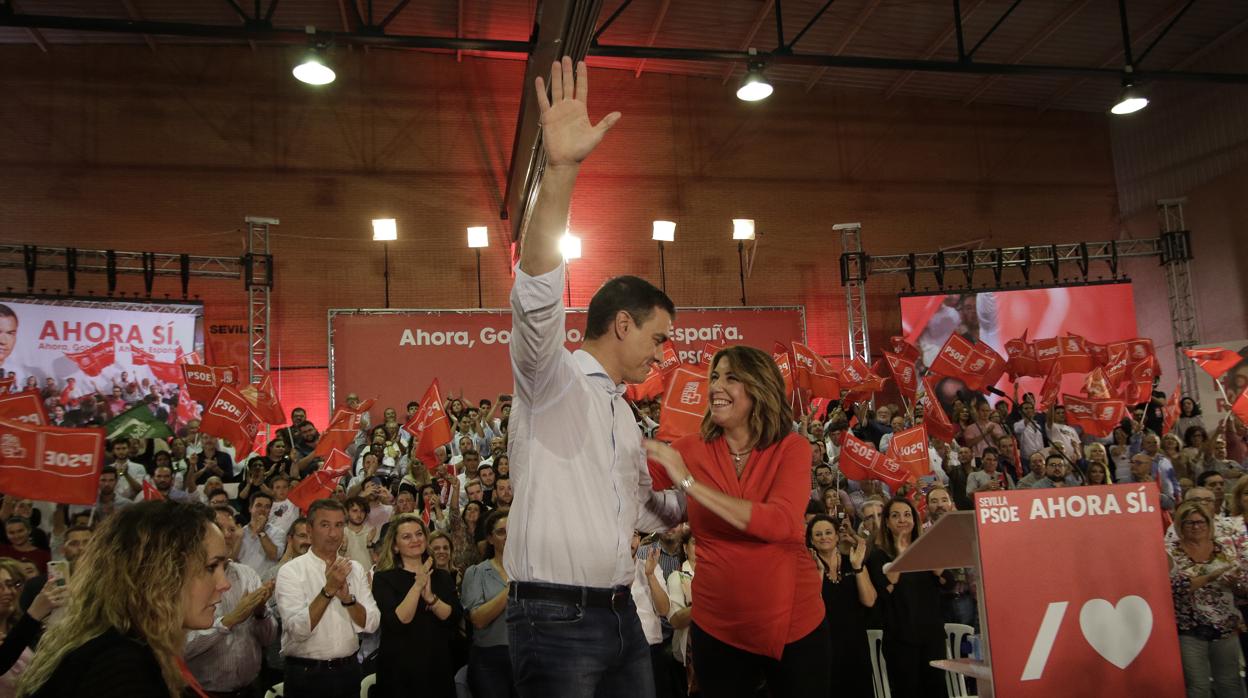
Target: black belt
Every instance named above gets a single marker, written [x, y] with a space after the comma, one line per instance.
[615, 598]
[323, 663]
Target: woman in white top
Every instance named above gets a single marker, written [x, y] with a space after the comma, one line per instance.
[680, 610]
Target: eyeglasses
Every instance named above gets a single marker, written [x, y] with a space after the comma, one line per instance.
[1198, 523]
[1207, 500]
[500, 532]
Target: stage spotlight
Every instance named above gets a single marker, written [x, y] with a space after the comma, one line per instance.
[742, 228]
[754, 85]
[385, 229]
[1131, 100]
[664, 231]
[478, 236]
[570, 246]
[313, 71]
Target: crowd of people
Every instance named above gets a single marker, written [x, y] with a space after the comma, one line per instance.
[194, 571]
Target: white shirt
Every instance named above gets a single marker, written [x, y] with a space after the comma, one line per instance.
[226, 659]
[137, 471]
[1030, 437]
[677, 584]
[651, 626]
[251, 552]
[284, 514]
[299, 582]
[577, 466]
[1066, 435]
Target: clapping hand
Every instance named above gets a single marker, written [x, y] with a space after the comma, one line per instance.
[567, 134]
[336, 576]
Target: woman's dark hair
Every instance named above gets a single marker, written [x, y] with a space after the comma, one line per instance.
[1195, 408]
[886, 540]
[1192, 431]
[490, 522]
[633, 295]
[771, 416]
[816, 506]
[810, 528]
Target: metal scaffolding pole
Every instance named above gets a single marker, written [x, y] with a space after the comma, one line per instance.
[854, 278]
[258, 277]
[1176, 256]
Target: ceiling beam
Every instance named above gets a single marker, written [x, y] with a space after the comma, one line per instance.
[561, 28]
[763, 10]
[1114, 55]
[1032, 44]
[859, 21]
[1218, 42]
[933, 47]
[654, 33]
[133, 13]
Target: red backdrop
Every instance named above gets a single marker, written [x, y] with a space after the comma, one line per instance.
[394, 356]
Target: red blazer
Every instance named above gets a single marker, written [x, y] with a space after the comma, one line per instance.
[757, 589]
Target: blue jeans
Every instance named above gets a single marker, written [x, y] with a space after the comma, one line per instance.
[489, 672]
[571, 651]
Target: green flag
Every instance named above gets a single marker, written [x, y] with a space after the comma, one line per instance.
[138, 422]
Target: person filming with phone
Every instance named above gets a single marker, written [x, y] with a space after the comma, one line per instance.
[848, 596]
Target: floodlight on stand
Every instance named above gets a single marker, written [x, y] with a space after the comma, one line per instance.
[385, 229]
[742, 228]
[664, 231]
[754, 85]
[479, 236]
[570, 246]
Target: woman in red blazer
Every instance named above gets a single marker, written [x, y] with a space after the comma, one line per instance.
[758, 613]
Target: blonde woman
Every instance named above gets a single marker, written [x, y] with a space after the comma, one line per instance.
[153, 571]
[20, 630]
[420, 614]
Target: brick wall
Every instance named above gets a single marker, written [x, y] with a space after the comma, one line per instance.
[124, 148]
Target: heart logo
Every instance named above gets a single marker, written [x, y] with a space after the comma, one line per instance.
[1117, 633]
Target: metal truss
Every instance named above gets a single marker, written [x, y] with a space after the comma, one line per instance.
[258, 277]
[854, 277]
[1176, 256]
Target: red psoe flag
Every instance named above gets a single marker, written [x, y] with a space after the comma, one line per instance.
[934, 416]
[262, 396]
[858, 458]
[684, 405]
[150, 493]
[708, 352]
[229, 417]
[94, 359]
[25, 407]
[1170, 412]
[166, 372]
[1096, 385]
[1239, 408]
[320, 484]
[50, 464]
[1215, 362]
[342, 429]
[904, 374]
[202, 382]
[1074, 354]
[859, 380]
[656, 380]
[952, 357]
[139, 357]
[909, 448]
[815, 374]
[1097, 417]
[430, 426]
[904, 349]
[1052, 387]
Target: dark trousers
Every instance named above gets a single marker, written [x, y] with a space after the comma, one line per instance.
[669, 676]
[563, 650]
[489, 672]
[315, 682]
[909, 673]
[724, 670]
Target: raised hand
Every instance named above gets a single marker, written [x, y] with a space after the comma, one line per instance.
[336, 575]
[567, 134]
[652, 560]
[669, 458]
